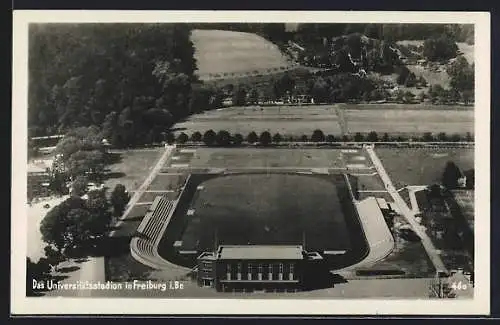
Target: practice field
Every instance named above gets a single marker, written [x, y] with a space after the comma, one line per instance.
[422, 166]
[410, 121]
[331, 119]
[259, 157]
[228, 52]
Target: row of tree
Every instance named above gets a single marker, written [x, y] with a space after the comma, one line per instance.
[224, 138]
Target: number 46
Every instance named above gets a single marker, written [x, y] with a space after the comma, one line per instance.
[459, 286]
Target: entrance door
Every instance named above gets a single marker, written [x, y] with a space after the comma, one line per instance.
[207, 283]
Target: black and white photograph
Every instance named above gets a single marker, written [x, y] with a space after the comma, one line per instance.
[287, 162]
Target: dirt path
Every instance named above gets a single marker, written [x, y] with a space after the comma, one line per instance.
[138, 193]
[407, 213]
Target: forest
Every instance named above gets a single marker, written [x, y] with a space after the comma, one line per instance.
[132, 80]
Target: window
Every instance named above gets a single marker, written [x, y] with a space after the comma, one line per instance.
[239, 267]
[290, 275]
[249, 271]
[281, 268]
[228, 268]
[260, 268]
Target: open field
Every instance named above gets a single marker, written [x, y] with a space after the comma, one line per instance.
[409, 121]
[299, 120]
[422, 166]
[132, 167]
[262, 157]
[225, 53]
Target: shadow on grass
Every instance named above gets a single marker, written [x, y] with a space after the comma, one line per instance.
[68, 269]
[113, 175]
[114, 158]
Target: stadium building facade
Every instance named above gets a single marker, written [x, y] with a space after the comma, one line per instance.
[257, 267]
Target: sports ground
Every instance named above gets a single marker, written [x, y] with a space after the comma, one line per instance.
[264, 196]
[338, 119]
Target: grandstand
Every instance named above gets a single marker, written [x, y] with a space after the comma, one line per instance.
[144, 245]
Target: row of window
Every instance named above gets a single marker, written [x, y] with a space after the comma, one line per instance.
[260, 268]
[259, 276]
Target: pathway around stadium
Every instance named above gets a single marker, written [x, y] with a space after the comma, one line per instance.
[138, 193]
[407, 213]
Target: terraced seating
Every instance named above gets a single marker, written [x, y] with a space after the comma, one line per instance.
[143, 247]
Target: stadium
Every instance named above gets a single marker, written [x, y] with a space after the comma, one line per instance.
[232, 225]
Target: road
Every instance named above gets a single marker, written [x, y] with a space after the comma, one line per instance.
[138, 193]
[406, 212]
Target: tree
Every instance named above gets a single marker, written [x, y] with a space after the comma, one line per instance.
[330, 138]
[252, 137]
[461, 75]
[318, 136]
[358, 137]
[253, 96]
[442, 136]
[277, 138]
[451, 174]
[385, 137]
[209, 137]
[304, 138]
[237, 139]
[196, 137]
[54, 225]
[265, 138]
[119, 199]
[79, 186]
[372, 136]
[170, 138]
[427, 137]
[440, 48]
[240, 96]
[100, 210]
[54, 257]
[470, 179]
[223, 138]
[182, 137]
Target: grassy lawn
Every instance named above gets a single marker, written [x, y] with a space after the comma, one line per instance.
[413, 121]
[229, 52]
[363, 118]
[164, 182]
[258, 157]
[422, 166]
[132, 167]
[268, 209]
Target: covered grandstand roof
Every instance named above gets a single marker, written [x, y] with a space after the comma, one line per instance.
[261, 252]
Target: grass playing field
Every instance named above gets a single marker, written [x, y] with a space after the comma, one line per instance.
[260, 157]
[363, 118]
[422, 166]
[264, 208]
